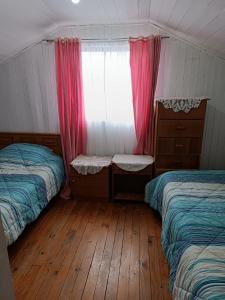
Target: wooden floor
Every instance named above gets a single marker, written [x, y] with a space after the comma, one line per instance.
[91, 250]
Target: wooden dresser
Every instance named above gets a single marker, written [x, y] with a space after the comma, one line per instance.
[178, 138]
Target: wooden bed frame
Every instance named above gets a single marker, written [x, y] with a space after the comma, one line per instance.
[49, 140]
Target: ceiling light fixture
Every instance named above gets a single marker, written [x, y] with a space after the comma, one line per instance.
[75, 1]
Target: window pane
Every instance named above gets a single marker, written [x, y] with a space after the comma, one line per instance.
[108, 97]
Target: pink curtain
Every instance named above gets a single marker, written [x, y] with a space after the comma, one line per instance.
[70, 99]
[144, 62]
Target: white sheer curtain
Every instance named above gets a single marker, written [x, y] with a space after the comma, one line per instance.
[108, 98]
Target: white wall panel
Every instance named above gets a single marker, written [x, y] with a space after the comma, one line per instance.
[28, 91]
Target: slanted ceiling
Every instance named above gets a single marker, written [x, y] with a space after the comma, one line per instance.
[24, 22]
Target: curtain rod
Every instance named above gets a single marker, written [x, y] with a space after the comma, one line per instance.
[101, 40]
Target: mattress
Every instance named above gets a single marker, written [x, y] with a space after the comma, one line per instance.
[30, 176]
[192, 206]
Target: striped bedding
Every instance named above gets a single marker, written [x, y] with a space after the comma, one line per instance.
[30, 176]
[192, 206]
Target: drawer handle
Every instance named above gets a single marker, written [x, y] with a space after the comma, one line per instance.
[180, 128]
[179, 145]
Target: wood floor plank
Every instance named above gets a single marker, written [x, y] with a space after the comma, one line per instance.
[44, 218]
[91, 282]
[61, 247]
[43, 256]
[88, 242]
[91, 250]
[40, 229]
[37, 249]
[123, 284]
[29, 278]
[164, 272]
[92, 259]
[113, 279]
[134, 276]
[69, 251]
[145, 277]
[156, 284]
[103, 274]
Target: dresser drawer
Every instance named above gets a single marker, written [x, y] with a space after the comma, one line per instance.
[180, 128]
[179, 146]
[194, 114]
[177, 162]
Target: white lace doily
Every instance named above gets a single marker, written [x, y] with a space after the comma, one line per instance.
[90, 164]
[132, 163]
[181, 104]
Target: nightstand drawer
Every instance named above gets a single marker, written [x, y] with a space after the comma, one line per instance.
[177, 162]
[91, 185]
[180, 128]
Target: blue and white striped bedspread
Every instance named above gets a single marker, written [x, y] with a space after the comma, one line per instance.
[192, 205]
[30, 176]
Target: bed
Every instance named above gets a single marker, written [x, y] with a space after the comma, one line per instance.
[192, 206]
[30, 176]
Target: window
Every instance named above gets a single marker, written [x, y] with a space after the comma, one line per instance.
[108, 98]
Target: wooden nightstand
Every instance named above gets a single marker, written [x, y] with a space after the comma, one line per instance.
[128, 185]
[90, 186]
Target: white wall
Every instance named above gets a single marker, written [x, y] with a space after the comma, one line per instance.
[28, 93]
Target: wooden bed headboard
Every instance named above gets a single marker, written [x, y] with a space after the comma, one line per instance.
[49, 140]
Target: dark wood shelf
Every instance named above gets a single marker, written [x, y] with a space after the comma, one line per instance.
[130, 186]
[129, 196]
